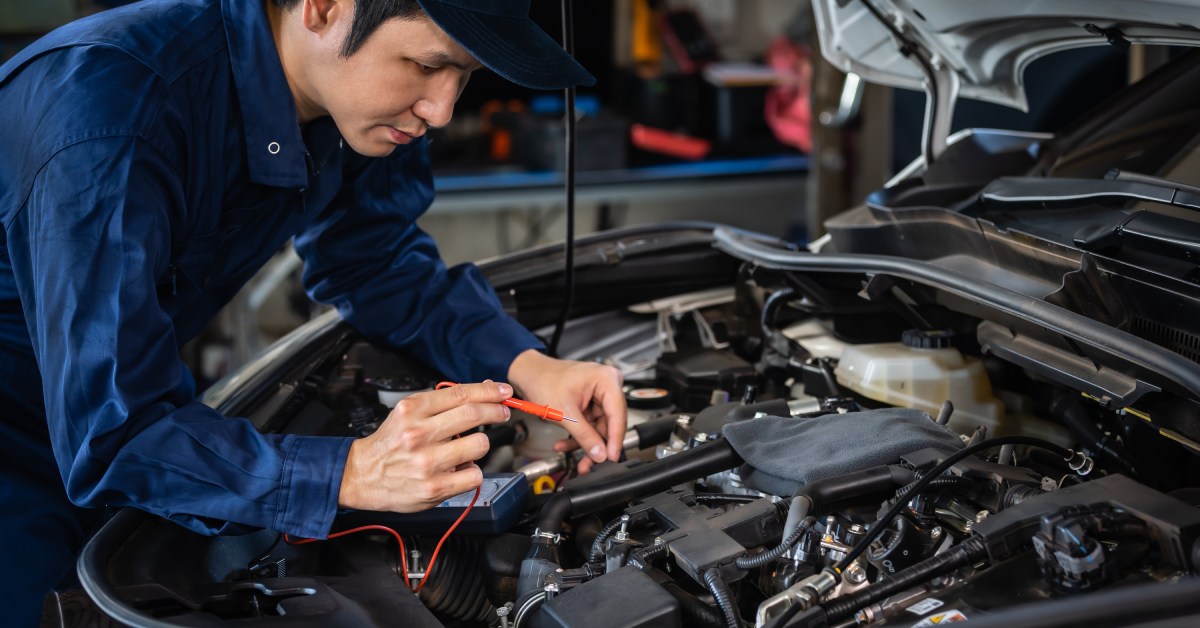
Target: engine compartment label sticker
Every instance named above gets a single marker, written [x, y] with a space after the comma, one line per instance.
[926, 606]
[949, 617]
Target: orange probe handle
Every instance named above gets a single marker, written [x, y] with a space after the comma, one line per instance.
[544, 412]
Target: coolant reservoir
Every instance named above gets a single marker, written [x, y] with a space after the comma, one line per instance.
[923, 372]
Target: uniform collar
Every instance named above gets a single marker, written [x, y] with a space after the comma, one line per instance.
[274, 146]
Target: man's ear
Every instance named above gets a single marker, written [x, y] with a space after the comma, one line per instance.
[320, 15]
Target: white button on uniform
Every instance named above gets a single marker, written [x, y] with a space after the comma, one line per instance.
[273, 148]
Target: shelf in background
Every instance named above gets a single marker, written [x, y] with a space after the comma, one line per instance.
[706, 169]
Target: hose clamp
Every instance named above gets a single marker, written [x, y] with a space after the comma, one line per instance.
[553, 538]
[1079, 462]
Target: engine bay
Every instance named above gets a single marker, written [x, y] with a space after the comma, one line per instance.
[802, 451]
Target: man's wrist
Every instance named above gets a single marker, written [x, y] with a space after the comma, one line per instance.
[525, 365]
[348, 494]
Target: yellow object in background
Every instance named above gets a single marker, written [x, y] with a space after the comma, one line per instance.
[647, 41]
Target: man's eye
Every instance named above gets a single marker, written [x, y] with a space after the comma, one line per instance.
[426, 69]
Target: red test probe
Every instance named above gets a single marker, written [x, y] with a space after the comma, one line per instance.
[542, 412]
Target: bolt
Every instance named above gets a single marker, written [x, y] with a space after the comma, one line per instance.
[551, 588]
[623, 533]
[981, 515]
[855, 574]
[683, 420]
[936, 532]
[502, 612]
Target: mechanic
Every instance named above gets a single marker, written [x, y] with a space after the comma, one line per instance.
[152, 158]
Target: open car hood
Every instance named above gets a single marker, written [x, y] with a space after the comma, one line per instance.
[988, 44]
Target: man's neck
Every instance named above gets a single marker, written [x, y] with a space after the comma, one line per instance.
[285, 47]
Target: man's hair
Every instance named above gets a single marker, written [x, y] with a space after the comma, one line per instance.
[368, 15]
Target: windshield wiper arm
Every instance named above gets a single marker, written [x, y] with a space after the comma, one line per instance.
[1116, 185]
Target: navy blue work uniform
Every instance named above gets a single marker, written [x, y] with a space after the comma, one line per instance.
[151, 160]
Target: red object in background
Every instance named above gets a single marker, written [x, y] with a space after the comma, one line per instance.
[789, 107]
[668, 143]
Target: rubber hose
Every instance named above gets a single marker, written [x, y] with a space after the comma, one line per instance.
[967, 552]
[554, 512]
[1019, 493]
[695, 611]
[654, 431]
[541, 561]
[945, 413]
[773, 303]
[526, 606]
[758, 560]
[724, 597]
[597, 551]
[455, 589]
[651, 477]
[795, 514]
[830, 379]
[825, 492]
[1006, 454]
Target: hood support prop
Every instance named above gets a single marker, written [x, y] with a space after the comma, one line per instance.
[941, 85]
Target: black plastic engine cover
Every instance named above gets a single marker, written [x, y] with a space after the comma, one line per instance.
[626, 598]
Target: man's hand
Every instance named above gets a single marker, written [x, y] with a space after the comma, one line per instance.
[412, 462]
[585, 391]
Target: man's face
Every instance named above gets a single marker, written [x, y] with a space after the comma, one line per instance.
[404, 79]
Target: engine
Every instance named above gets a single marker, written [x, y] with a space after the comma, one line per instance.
[784, 467]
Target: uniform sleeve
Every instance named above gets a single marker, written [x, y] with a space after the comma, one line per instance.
[366, 255]
[86, 249]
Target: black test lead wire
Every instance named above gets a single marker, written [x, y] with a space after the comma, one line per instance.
[568, 33]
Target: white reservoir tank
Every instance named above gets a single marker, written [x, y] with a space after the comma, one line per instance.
[922, 372]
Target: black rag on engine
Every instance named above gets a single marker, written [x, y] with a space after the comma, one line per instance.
[783, 454]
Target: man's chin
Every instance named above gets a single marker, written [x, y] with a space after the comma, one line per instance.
[371, 148]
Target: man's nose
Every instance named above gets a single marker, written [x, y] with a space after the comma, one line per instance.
[436, 106]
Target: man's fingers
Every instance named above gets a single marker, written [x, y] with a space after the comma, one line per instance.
[450, 397]
[615, 423]
[452, 455]
[585, 466]
[466, 418]
[458, 409]
[589, 440]
[464, 480]
[453, 483]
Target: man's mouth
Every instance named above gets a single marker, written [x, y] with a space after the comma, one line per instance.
[402, 137]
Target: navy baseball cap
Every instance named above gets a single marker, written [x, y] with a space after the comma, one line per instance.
[500, 35]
